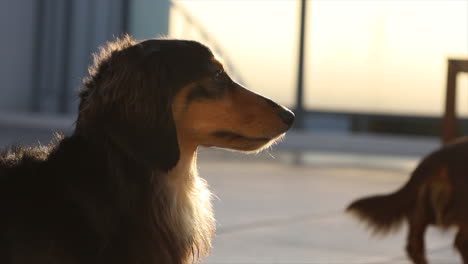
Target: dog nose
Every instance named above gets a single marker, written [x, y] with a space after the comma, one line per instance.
[287, 116]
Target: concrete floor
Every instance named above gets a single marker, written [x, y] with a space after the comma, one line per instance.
[278, 212]
[286, 206]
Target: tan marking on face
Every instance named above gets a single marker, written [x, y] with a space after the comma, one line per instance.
[239, 111]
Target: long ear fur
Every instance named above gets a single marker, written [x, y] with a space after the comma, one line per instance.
[136, 96]
[154, 145]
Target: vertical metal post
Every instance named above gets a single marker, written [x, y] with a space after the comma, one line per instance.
[300, 70]
[450, 122]
[63, 93]
[450, 125]
[36, 65]
[125, 13]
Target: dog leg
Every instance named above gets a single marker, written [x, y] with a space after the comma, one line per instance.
[461, 244]
[415, 246]
[417, 224]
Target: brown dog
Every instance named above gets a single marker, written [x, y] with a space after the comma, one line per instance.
[124, 187]
[436, 194]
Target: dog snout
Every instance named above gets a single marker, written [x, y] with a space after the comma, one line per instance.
[287, 116]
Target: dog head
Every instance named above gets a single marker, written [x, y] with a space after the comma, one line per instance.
[158, 97]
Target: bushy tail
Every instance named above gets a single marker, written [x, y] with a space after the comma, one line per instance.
[385, 213]
[382, 213]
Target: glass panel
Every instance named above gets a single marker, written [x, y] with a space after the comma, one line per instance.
[383, 56]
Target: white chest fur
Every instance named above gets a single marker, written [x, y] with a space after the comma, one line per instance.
[190, 209]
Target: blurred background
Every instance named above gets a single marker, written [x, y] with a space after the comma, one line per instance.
[367, 80]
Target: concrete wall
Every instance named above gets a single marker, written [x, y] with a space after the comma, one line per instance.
[70, 32]
[149, 18]
[46, 46]
[17, 28]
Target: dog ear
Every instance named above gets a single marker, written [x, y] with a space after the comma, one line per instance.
[140, 120]
[154, 145]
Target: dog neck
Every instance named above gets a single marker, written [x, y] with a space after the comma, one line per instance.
[190, 211]
[175, 211]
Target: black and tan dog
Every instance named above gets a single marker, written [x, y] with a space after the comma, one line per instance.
[123, 188]
[436, 194]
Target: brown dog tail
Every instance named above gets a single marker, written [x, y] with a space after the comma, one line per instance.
[382, 213]
[385, 213]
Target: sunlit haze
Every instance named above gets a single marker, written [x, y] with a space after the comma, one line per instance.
[362, 56]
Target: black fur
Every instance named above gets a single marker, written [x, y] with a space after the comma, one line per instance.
[97, 196]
